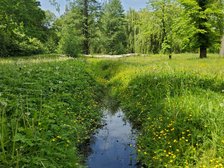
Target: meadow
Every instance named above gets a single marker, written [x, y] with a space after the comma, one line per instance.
[49, 107]
[177, 105]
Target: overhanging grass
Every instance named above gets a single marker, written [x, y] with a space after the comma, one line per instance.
[177, 105]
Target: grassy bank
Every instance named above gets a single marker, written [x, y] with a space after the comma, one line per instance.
[178, 106]
[48, 110]
[49, 107]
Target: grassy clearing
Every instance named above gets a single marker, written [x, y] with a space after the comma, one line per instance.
[48, 110]
[178, 106]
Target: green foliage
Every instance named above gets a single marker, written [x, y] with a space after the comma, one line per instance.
[131, 29]
[164, 26]
[20, 33]
[113, 28]
[70, 36]
[4, 42]
[50, 18]
[86, 20]
[175, 26]
[51, 43]
[19, 43]
[21, 12]
[152, 30]
[204, 17]
[26, 45]
[43, 123]
[69, 43]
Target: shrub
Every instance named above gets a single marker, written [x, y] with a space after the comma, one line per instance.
[17, 42]
[31, 46]
[69, 43]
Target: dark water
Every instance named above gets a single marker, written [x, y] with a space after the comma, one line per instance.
[113, 144]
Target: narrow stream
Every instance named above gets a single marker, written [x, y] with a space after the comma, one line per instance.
[113, 145]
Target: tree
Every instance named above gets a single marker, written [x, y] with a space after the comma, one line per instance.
[203, 16]
[113, 28]
[69, 43]
[153, 27]
[69, 34]
[143, 31]
[165, 13]
[19, 32]
[86, 26]
[132, 29]
[52, 35]
[49, 19]
[87, 15]
[221, 52]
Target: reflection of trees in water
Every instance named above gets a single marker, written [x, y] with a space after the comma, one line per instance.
[111, 138]
[113, 143]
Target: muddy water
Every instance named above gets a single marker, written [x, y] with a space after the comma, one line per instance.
[113, 145]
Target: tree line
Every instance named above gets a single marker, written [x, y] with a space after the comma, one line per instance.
[89, 27]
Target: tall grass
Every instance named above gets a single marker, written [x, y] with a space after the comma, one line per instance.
[176, 104]
[48, 110]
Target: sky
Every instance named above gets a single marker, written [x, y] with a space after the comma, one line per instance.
[135, 4]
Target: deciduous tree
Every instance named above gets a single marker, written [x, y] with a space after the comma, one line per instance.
[21, 27]
[203, 16]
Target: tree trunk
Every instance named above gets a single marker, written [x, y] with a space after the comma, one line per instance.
[203, 52]
[164, 36]
[222, 47]
[203, 37]
[86, 28]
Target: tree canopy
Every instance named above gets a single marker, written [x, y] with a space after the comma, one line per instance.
[113, 28]
[19, 32]
[204, 17]
[90, 26]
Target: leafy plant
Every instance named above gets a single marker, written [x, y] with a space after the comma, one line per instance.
[42, 120]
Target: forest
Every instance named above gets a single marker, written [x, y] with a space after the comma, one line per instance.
[91, 27]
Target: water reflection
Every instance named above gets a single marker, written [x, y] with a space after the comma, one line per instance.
[112, 145]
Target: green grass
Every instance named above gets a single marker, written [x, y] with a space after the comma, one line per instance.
[177, 105]
[48, 110]
[49, 107]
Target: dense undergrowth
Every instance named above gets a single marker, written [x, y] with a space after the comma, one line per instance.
[48, 110]
[178, 106]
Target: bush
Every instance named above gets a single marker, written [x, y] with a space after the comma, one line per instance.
[31, 46]
[17, 42]
[69, 43]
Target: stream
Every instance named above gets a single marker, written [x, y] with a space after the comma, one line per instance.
[113, 145]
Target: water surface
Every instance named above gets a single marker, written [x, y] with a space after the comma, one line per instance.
[113, 144]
